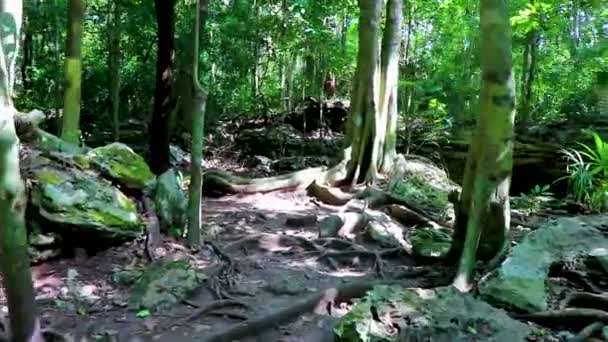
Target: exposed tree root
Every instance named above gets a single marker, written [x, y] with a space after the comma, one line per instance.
[352, 223]
[220, 304]
[587, 300]
[400, 207]
[152, 229]
[588, 331]
[575, 318]
[329, 195]
[576, 277]
[220, 183]
[318, 303]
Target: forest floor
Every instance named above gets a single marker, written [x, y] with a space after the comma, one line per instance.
[270, 256]
[269, 273]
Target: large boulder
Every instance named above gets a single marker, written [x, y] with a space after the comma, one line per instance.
[118, 162]
[79, 201]
[520, 280]
[440, 314]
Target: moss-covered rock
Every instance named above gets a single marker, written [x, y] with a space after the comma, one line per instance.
[425, 184]
[80, 201]
[119, 162]
[520, 281]
[442, 315]
[171, 203]
[164, 284]
[430, 243]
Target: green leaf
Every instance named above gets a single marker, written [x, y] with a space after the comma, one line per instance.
[143, 313]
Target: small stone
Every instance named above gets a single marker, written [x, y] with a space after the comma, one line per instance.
[329, 226]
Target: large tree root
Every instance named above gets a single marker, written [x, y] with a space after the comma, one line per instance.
[318, 303]
[218, 183]
[587, 300]
[576, 318]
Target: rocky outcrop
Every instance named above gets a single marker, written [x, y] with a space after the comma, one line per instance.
[520, 281]
[440, 314]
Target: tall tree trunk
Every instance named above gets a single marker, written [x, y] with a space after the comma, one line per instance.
[198, 133]
[389, 77]
[527, 77]
[70, 128]
[489, 215]
[14, 259]
[372, 124]
[114, 64]
[364, 99]
[159, 127]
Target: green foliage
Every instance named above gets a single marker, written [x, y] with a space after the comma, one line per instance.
[588, 173]
[532, 203]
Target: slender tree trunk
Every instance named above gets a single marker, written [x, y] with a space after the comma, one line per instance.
[70, 129]
[198, 133]
[28, 53]
[489, 207]
[114, 65]
[159, 127]
[14, 259]
[527, 77]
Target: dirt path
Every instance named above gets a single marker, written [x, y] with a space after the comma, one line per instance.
[269, 275]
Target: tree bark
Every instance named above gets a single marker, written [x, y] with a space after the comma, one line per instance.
[489, 213]
[199, 100]
[114, 64]
[371, 128]
[159, 127]
[70, 129]
[389, 71]
[14, 260]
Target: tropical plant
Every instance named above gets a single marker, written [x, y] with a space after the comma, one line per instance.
[588, 173]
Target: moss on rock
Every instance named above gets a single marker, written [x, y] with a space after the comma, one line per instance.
[121, 163]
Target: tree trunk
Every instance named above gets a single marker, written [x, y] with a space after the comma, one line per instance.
[199, 100]
[28, 53]
[527, 78]
[159, 127]
[14, 260]
[371, 128]
[491, 162]
[389, 78]
[114, 65]
[70, 129]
